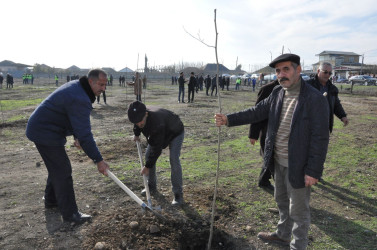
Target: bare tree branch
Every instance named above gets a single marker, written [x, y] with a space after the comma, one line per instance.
[198, 38]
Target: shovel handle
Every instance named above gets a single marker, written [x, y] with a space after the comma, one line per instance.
[144, 177]
[126, 189]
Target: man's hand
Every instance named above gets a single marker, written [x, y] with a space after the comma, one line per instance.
[102, 167]
[77, 144]
[309, 181]
[136, 138]
[220, 120]
[345, 121]
[144, 171]
[253, 141]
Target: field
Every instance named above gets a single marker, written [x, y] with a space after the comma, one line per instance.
[343, 205]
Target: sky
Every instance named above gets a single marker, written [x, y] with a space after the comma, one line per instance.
[119, 33]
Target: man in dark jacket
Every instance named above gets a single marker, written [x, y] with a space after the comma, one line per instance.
[66, 112]
[259, 130]
[191, 87]
[207, 82]
[200, 82]
[162, 128]
[9, 81]
[214, 85]
[181, 81]
[296, 146]
[322, 82]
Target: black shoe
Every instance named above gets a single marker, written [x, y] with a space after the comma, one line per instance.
[152, 190]
[267, 186]
[49, 204]
[178, 200]
[183, 101]
[272, 238]
[78, 218]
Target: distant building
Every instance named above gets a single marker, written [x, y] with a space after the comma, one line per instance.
[16, 69]
[344, 63]
[212, 67]
[126, 70]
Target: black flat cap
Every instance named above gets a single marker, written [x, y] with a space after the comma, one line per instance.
[284, 58]
[136, 111]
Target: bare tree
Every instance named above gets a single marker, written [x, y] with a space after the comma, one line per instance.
[219, 129]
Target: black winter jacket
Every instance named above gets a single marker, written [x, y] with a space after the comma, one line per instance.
[161, 127]
[335, 107]
[309, 136]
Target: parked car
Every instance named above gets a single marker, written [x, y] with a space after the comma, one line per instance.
[363, 80]
[305, 77]
[270, 78]
[341, 80]
[256, 76]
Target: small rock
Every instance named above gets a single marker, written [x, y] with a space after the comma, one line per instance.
[20, 216]
[134, 224]
[273, 210]
[154, 229]
[100, 245]
[38, 164]
[248, 228]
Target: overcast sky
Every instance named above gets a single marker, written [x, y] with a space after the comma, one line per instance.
[113, 33]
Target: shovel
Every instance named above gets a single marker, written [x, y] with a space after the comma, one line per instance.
[132, 194]
[149, 200]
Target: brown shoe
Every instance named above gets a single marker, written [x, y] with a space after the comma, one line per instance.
[273, 238]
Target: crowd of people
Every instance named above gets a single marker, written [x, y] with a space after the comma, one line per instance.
[292, 119]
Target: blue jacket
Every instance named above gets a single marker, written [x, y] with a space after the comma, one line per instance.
[309, 137]
[65, 112]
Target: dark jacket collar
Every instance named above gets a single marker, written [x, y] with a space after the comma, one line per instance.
[88, 90]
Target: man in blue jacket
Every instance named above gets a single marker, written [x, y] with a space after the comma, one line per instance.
[66, 112]
[296, 146]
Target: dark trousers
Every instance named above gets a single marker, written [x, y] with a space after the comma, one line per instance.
[104, 97]
[59, 187]
[181, 91]
[138, 98]
[213, 88]
[191, 92]
[265, 175]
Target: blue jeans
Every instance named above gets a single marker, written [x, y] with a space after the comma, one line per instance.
[175, 165]
[181, 91]
[294, 209]
[59, 187]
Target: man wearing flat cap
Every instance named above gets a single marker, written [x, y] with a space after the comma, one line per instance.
[295, 146]
[162, 128]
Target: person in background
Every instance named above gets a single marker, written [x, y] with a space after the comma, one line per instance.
[207, 83]
[138, 86]
[214, 84]
[296, 146]
[181, 81]
[145, 82]
[9, 81]
[259, 130]
[191, 87]
[66, 112]
[321, 81]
